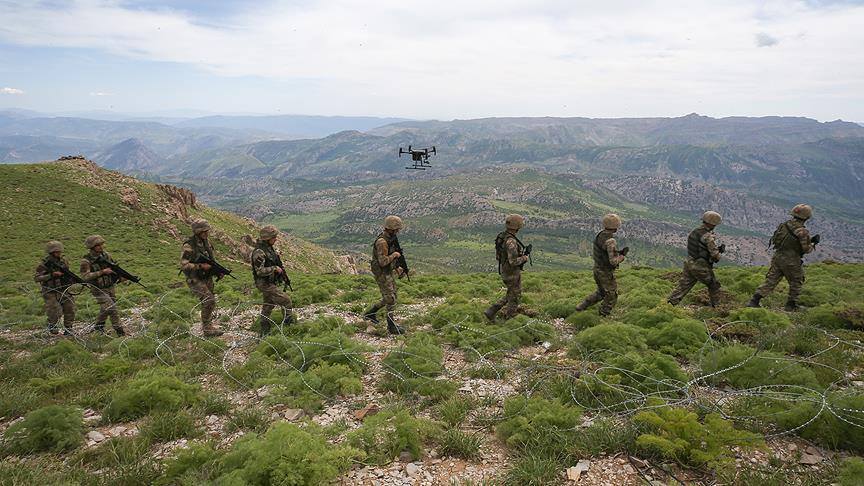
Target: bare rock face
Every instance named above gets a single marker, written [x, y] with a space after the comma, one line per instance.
[181, 199]
[129, 197]
[347, 264]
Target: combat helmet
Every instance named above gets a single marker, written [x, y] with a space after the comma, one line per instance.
[268, 232]
[200, 226]
[802, 211]
[94, 240]
[514, 222]
[712, 217]
[611, 221]
[53, 246]
[393, 223]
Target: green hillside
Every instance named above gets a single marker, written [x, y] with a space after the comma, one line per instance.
[69, 200]
[701, 396]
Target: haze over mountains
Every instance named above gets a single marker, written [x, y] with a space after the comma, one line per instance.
[334, 186]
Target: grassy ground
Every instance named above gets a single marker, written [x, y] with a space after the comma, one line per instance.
[731, 395]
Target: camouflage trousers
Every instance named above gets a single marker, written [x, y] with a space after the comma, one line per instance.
[607, 292]
[273, 296]
[792, 269]
[511, 299]
[696, 271]
[57, 305]
[107, 300]
[203, 289]
[387, 285]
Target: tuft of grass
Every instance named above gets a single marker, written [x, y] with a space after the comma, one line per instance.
[54, 428]
[457, 443]
[168, 426]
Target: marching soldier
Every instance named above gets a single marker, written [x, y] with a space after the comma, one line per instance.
[791, 241]
[383, 267]
[512, 256]
[96, 271]
[198, 276]
[55, 288]
[267, 270]
[702, 254]
[606, 260]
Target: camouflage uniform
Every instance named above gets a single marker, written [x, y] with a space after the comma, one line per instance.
[791, 241]
[510, 262]
[199, 281]
[383, 269]
[55, 291]
[102, 288]
[265, 270]
[606, 260]
[702, 253]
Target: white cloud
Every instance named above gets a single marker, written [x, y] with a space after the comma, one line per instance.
[488, 57]
[11, 91]
[100, 93]
[765, 40]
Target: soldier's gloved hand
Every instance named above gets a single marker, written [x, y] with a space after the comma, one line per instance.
[57, 274]
[722, 248]
[624, 251]
[528, 249]
[400, 271]
[815, 239]
[278, 270]
[107, 271]
[396, 255]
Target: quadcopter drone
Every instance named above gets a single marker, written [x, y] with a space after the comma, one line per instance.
[420, 157]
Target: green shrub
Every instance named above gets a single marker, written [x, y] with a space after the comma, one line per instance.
[167, 426]
[679, 337]
[648, 371]
[538, 424]
[604, 436]
[655, 317]
[677, 434]
[213, 404]
[331, 346]
[386, 434]
[852, 472]
[53, 428]
[742, 367]
[248, 418]
[415, 367]
[65, 353]
[308, 390]
[560, 308]
[583, 320]
[195, 464]
[124, 460]
[285, 455]
[824, 316]
[456, 443]
[454, 410]
[613, 336]
[157, 390]
[764, 320]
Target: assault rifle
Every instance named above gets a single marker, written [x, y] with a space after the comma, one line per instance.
[283, 276]
[120, 273]
[400, 262]
[526, 252]
[68, 276]
[216, 270]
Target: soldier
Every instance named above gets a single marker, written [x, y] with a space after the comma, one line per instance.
[96, 272]
[791, 241]
[511, 255]
[198, 276]
[383, 268]
[267, 270]
[606, 260]
[55, 288]
[702, 254]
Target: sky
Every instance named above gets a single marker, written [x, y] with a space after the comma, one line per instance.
[436, 59]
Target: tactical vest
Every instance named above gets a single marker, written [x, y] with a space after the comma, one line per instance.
[55, 283]
[784, 239]
[377, 269]
[696, 248]
[199, 249]
[271, 259]
[99, 263]
[501, 248]
[601, 256]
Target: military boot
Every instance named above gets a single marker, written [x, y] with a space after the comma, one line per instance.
[392, 328]
[51, 329]
[491, 312]
[120, 330]
[211, 331]
[754, 301]
[371, 315]
[263, 327]
[581, 306]
[99, 327]
[791, 306]
[67, 331]
[288, 319]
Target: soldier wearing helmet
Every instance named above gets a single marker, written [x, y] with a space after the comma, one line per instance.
[511, 255]
[702, 254]
[198, 276]
[59, 302]
[96, 271]
[267, 271]
[383, 267]
[606, 260]
[791, 241]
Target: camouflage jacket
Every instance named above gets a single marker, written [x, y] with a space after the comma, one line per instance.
[265, 261]
[791, 239]
[605, 253]
[382, 257]
[91, 268]
[44, 274]
[193, 249]
[701, 245]
[512, 257]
